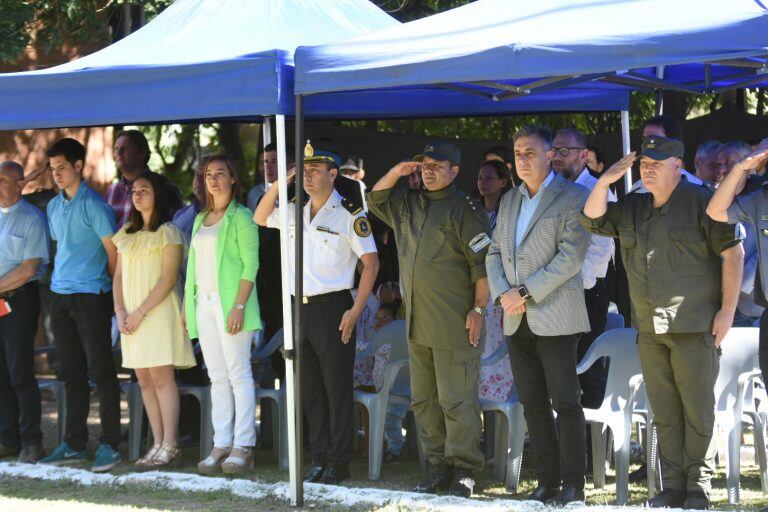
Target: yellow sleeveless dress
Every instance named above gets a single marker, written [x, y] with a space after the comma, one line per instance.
[160, 340]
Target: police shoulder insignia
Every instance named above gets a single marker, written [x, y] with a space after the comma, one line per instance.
[362, 227]
[479, 242]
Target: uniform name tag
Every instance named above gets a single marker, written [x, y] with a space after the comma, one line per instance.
[479, 242]
[765, 217]
[326, 230]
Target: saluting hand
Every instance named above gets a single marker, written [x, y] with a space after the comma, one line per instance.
[405, 168]
[348, 321]
[755, 159]
[619, 169]
[474, 327]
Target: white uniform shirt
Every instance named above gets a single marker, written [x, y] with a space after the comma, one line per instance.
[333, 242]
[600, 249]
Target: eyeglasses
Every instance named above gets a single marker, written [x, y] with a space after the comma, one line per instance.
[565, 151]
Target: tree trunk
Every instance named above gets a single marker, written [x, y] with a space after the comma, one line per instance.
[229, 135]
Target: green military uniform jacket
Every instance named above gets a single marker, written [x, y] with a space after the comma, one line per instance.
[672, 257]
[442, 238]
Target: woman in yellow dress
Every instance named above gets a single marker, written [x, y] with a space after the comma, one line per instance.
[148, 311]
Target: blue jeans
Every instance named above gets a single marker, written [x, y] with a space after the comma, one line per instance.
[393, 427]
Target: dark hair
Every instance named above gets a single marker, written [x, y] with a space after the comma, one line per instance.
[576, 134]
[502, 171]
[137, 139]
[70, 149]
[221, 157]
[289, 150]
[501, 151]
[599, 155]
[391, 307]
[161, 212]
[541, 132]
[672, 129]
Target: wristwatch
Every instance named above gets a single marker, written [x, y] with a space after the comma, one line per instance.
[523, 291]
[240, 306]
[479, 310]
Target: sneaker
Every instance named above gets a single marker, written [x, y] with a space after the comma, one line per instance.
[392, 458]
[106, 459]
[63, 454]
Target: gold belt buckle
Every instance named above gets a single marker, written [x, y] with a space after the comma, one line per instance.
[305, 299]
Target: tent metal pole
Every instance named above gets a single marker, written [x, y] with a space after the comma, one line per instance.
[266, 130]
[296, 441]
[625, 144]
[659, 92]
[291, 364]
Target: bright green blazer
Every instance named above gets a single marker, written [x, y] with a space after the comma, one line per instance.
[237, 257]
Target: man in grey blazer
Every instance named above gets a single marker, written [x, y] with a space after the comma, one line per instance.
[534, 271]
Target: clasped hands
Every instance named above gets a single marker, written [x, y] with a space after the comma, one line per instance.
[512, 303]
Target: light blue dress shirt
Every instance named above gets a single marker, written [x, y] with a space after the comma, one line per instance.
[78, 225]
[528, 207]
[23, 236]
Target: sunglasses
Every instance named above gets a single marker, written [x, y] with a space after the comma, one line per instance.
[565, 151]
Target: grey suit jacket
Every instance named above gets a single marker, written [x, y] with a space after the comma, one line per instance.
[548, 260]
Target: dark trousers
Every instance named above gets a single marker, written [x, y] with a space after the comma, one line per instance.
[593, 380]
[19, 394]
[82, 334]
[326, 380]
[544, 368]
[763, 347]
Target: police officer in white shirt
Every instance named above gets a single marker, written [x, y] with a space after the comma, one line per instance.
[336, 235]
[569, 160]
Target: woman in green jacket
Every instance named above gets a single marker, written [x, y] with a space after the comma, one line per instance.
[221, 309]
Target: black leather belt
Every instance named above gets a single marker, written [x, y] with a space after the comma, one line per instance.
[324, 297]
[21, 289]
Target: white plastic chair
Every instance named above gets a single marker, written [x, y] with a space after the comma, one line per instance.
[276, 397]
[376, 405]
[615, 413]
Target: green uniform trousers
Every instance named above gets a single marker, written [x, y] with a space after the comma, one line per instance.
[680, 371]
[445, 404]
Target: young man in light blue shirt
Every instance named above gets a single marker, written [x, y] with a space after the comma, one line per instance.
[82, 225]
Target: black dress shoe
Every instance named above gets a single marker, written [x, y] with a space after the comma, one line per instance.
[568, 494]
[8, 451]
[696, 500]
[314, 474]
[463, 483]
[668, 498]
[335, 474]
[439, 478]
[543, 493]
[640, 474]
[30, 454]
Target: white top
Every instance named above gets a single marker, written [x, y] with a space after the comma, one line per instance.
[601, 248]
[206, 273]
[333, 242]
[640, 189]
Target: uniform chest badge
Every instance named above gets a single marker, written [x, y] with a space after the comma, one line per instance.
[362, 227]
[479, 242]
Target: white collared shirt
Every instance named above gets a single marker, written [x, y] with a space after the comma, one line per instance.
[528, 207]
[332, 245]
[601, 248]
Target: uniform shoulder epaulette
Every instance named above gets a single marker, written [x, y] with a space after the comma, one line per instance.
[471, 202]
[350, 206]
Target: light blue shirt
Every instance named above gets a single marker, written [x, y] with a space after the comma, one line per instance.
[528, 207]
[23, 236]
[78, 225]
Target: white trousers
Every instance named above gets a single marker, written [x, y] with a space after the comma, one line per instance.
[228, 358]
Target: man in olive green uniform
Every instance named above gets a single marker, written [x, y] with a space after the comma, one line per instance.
[442, 237]
[684, 272]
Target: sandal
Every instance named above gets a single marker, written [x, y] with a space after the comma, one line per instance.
[143, 462]
[212, 464]
[239, 461]
[167, 456]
